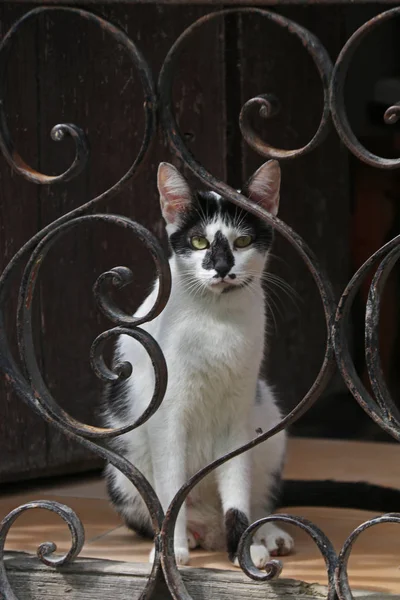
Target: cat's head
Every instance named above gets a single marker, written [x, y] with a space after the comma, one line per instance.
[217, 245]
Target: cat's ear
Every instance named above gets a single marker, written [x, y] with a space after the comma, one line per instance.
[264, 186]
[175, 194]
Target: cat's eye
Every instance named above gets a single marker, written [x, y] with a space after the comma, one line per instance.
[199, 242]
[243, 241]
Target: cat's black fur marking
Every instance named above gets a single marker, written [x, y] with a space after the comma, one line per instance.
[275, 491]
[204, 208]
[219, 256]
[236, 524]
[116, 399]
[141, 527]
[116, 497]
[258, 398]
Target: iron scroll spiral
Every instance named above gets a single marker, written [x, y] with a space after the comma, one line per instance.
[59, 131]
[341, 577]
[25, 335]
[382, 410]
[274, 566]
[337, 103]
[45, 551]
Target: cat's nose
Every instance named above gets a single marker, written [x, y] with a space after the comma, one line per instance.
[222, 270]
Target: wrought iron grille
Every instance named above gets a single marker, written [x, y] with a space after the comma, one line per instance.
[25, 377]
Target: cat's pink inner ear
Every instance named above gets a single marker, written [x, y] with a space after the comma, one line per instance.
[264, 186]
[175, 195]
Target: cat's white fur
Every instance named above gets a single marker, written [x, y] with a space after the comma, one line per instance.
[213, 344]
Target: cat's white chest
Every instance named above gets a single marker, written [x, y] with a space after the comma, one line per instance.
[209, 358]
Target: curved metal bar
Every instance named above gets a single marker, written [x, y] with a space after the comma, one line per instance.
[337, 96]
[119, 277]
[25, 335]
[390, 411]
[48, 409]
[341, 342]
[21, 387]
[266, 103]
[168, 69]
[58, 132]
[45, 551]
[123, 371]
[274, 567]
[341, 577]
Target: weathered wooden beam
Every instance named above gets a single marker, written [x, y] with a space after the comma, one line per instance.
[93, 579]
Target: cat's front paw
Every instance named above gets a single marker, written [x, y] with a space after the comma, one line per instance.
[259, 555]
[181, 554]
[278, 542]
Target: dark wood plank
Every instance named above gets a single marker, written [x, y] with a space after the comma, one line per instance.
[22, 433]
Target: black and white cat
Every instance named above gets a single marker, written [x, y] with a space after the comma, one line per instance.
[212, 336]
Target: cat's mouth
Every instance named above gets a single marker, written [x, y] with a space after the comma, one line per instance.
[225, 286]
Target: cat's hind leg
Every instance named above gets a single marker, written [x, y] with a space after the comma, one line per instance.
[128, 503]
[204, 524]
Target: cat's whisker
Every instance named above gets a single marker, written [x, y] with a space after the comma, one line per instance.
[242, 216]
[192, 287]
[276, 257]
[275, 305]
[279, 284]
[276, 293]
[256, 290]
[282, 282]
[271, 312]
[203, 218]
[273, 280]
[275, 286]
